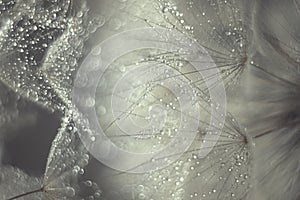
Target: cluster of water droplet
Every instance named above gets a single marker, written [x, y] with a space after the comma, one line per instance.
[225, 173]
[6, 6]
[67, 161]
[220, 27]
[64, 55]
[24, 39]
[40, 47]
[153, 112]
[41, 43]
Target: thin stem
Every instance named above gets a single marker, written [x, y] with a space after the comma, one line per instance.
[27, 193]
[274, 76]
[263, 134]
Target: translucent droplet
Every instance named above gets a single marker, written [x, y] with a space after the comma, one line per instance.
[70, 192]
[115, 23]
[96, 51]
[90, 102]
[101, 110]
[88, 183]
[142, 196]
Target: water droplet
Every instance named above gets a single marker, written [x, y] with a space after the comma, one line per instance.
[96, 51]
[101, 110]
[142, 196]
[88, 183]
[115, 23]
[90, 102]
[70, 192]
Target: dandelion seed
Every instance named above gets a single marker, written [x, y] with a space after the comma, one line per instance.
[225, 173]
[223, 32]
[65, 164]
[15, 181]
[42, 76]
[24, 42]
